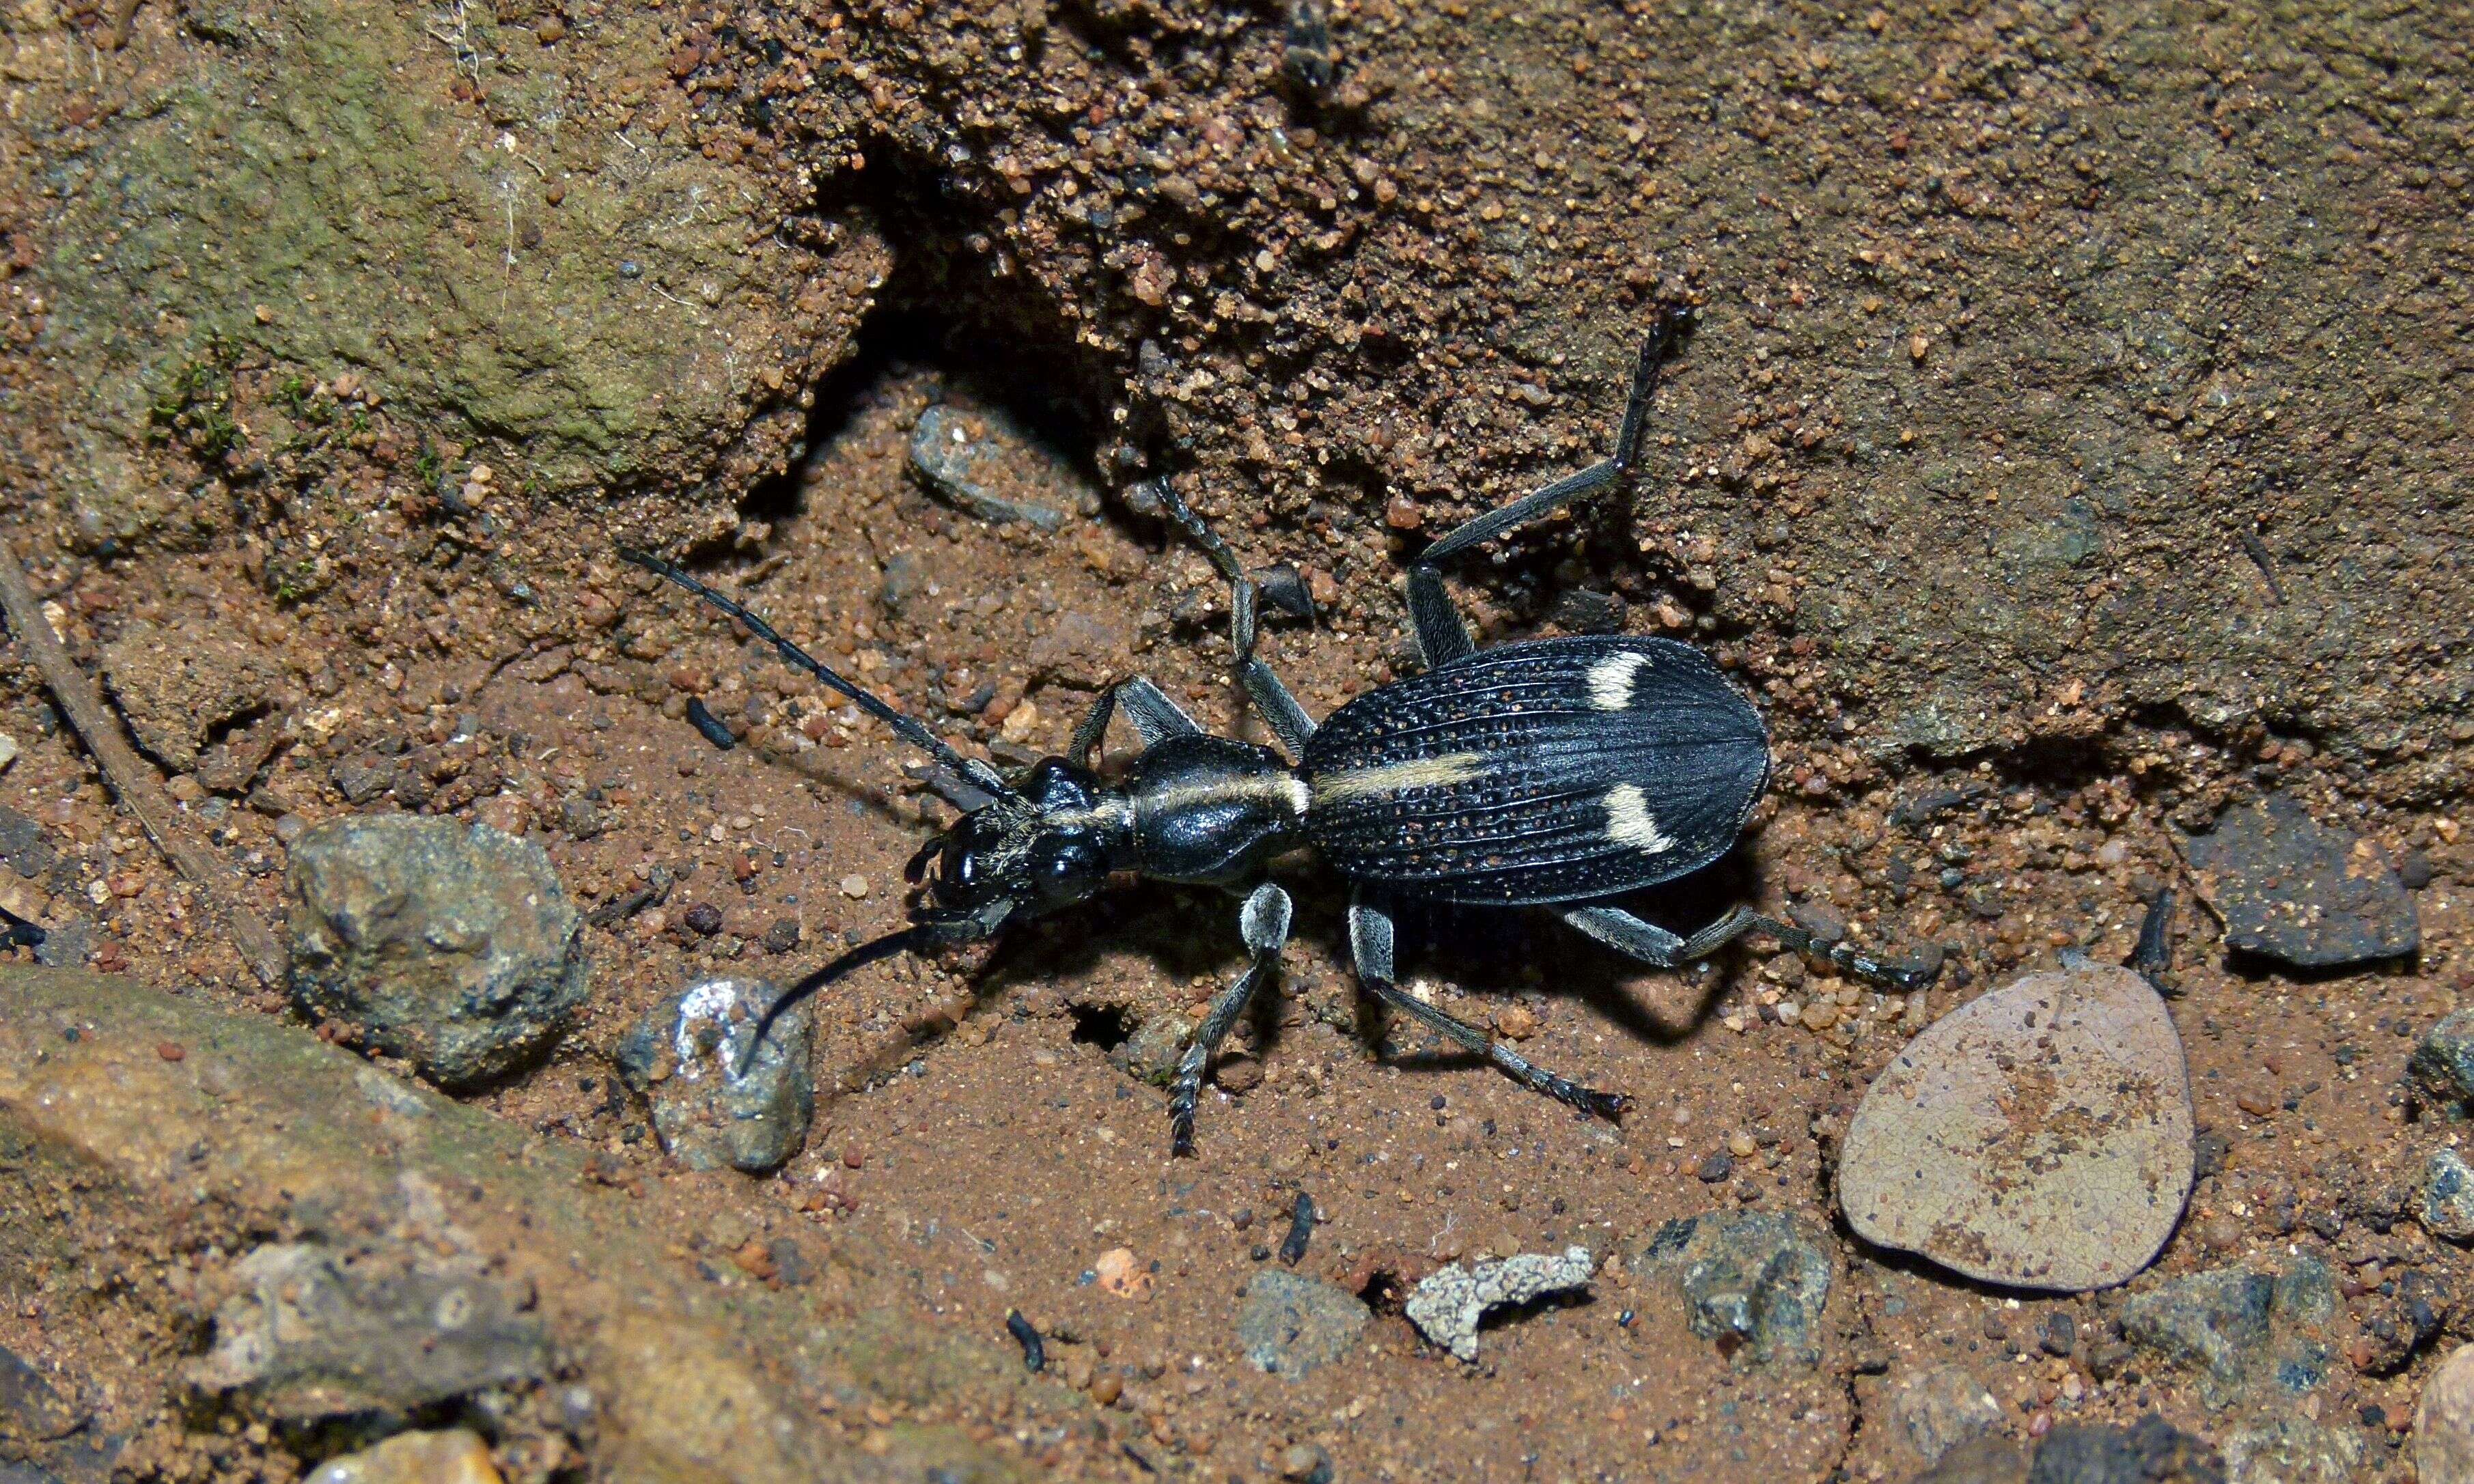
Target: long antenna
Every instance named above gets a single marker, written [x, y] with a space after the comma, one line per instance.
[900, 940]
[918, 736]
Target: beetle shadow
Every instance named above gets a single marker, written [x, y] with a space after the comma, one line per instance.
[1501, 951]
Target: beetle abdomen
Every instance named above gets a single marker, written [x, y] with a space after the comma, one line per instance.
[1550, 772]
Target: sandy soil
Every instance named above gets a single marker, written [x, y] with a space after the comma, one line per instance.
[2073, 433]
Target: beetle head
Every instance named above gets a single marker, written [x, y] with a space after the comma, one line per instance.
[1050, 847]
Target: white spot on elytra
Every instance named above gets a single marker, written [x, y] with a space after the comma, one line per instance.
[1629, 821]
[1611, 680]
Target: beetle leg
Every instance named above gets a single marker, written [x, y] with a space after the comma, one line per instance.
[1264, 924]
[1287, 720]
[1654, 945]
[1147, 707]
[1442, 637]
[1369, 943]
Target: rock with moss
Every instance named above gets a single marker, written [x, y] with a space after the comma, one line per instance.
[499, 236]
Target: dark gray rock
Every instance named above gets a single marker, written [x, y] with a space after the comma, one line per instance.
[2446, 1208]
[451, 946]
[311, 1331]
[22, 844]
[2291, 888]
[30, 1409]
[1749, 1279]
[65, 947]
[2251, 1335]
[684, 1056]
[2443, 1067]
[963, 457]
[1290, 1325]
[2149, 1451]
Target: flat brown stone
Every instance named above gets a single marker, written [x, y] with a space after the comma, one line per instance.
[2039, 1136]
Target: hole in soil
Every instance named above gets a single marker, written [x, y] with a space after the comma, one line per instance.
[1382, 1292]
[992, 339]
[1100, 1024]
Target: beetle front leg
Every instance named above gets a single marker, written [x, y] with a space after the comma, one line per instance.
[1155, 717]
[1371, 943]
[1287, 720]
[1264, 924]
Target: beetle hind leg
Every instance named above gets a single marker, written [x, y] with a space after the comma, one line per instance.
[1442, 637]
[1654, 945]
[1371, 943]
[1264, 924]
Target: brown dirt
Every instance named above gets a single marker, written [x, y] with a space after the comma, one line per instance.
[2076, 422]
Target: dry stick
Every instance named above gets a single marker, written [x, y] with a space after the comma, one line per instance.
[131, 779]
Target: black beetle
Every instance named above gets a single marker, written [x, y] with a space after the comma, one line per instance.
[1555, 774]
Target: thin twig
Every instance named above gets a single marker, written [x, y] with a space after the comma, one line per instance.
[131, 779]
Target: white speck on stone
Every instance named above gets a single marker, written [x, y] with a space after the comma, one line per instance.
[707, 1002]
[1447, 1307]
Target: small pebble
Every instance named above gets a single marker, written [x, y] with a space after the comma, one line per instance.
[8, 751]
[705, 918]
[171, 1052]
[855, 887]
[1122, 1274]
[2058, 1334]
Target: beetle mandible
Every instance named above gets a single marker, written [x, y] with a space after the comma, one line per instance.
[1555, 774]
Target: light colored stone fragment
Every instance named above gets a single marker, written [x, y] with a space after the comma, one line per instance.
[456, 1456]
[1448, 1306]
[2039, 1136]
[2443, 1421]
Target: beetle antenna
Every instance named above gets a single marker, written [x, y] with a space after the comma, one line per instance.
[981, 774]
[907, 939]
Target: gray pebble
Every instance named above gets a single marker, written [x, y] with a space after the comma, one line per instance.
[451, 945]
[1748, 1279]
[2447, 1205]
[960, 462]
[1290, 1325]
[2254, 1336]
[2442, 1066]
[684, 1056]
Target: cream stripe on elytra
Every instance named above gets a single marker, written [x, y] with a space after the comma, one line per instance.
[1629, 821]
[1610, 679]
[1280, 788]
[1435, 772]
